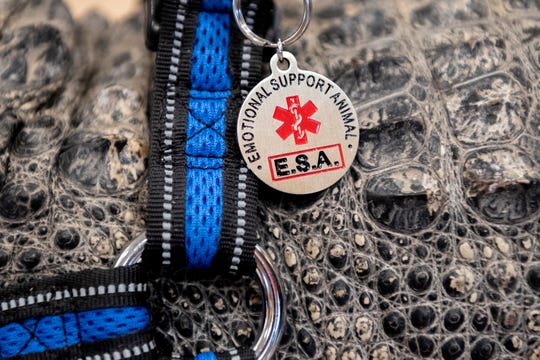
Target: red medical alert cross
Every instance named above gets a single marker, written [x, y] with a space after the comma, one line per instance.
[296, 120]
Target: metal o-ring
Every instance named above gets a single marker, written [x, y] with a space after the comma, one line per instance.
[274, 301]
[260, 41]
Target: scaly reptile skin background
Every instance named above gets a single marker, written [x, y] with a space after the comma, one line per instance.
[428, 248]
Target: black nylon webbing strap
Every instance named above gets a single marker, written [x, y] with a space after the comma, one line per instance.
[139, 346]
[58, 318]
[172, 217]
[89, 290]
[72, 292]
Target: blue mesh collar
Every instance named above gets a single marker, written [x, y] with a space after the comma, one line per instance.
[95, 313]
[202, 199]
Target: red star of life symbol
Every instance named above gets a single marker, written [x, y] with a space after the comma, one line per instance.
[296, 120]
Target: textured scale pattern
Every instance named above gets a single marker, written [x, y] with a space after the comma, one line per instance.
[73, 140]
[428, 248]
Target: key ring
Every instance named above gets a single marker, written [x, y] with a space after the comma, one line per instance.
[260, 41]
[274, 301]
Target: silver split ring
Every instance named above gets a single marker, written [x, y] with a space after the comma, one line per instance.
[260, 41]
[274, 302]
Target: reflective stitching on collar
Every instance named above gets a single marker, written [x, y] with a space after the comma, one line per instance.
[65, 294]
[234, 354]
[242, 176]
[168, 135]
[126, 353]
[246, 52]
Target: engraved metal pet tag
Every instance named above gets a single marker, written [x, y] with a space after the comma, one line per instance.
[297, 130]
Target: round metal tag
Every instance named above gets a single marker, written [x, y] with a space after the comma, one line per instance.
[297, 130]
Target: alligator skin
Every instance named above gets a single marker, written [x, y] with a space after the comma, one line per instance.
[73, 138]
[428, 248]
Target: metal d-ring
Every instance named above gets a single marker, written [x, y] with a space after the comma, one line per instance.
[260, 41]
[274, 302]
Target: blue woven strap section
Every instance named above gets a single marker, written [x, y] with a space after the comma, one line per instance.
[205, 130]
[216, 6]
[210, 51]
[206, 356]
[58, 331]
